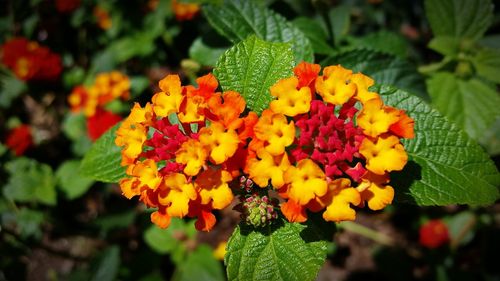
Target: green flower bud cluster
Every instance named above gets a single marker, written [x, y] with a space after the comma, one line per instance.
[258, 210]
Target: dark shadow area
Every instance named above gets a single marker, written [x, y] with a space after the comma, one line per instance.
[403, 180]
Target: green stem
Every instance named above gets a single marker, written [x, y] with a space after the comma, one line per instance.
[433, 67]
[366, 232]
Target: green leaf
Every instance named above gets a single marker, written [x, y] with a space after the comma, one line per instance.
[491, 139]
[395, 71]
[74, 126]
[251, 67]
[382, 41]
[107, 269]
[200, 265]
[204, 54]
[445, 45]
[487, 64]
[316, 35]
[102, 161]
[238, 19]
[340, 19]
[25, 221]
[163, 241]
[459, 18]
[471, 104]
[138, 84]
[30, 181]
[122, 219]
[282, 251]
[460, 227]
[445, 166]
[70, 181]
[10, 88]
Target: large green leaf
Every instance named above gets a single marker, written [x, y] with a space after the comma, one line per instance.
[200, 265]
[459, 18]
[315, 33]
[445, 166]
[70, 181]
[251, 67]
[102, 161]
[340, 21]
[282, 251]
[30, 181]
[107, 270]
[10, 88]
[382, 41]
[471, 104]
[238, 19]
[395, 71]
[205, 54]
[487, 64]
[445, 45]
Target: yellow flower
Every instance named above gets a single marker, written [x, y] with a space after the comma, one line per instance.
[146, 172]
[141, 115]
[132, 136]
[338, 200]
[363, 82]
[268, 168]
[220, 251]
[193, 154]
[170, 98]
[375, 118]
[222, 144]
[192, 110]
[374, 191]
[335, 86]
[306, 181]
[130, 187]
[290, 101]
[276, 131]
[384, 155]
[176, 193]
[213, 187]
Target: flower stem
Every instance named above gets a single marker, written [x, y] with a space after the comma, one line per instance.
[366, 232]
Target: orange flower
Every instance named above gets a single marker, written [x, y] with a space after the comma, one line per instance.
[385, 154]
[102, 17]
[375, 191]
[274, 129]
[338, 200]
[291, 101]
[213, 188]
[176, 193]
[221, 143]
[268, 167]
[228, 112]
[193, 155]
[335, 85]
[375, 118]
[185, 11]
[306, 181]
[293, 211]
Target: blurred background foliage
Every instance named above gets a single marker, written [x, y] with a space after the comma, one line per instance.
[57, 224]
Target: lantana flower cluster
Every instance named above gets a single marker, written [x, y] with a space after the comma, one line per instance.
[30, 61]
[325, 144]
[91, 101]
